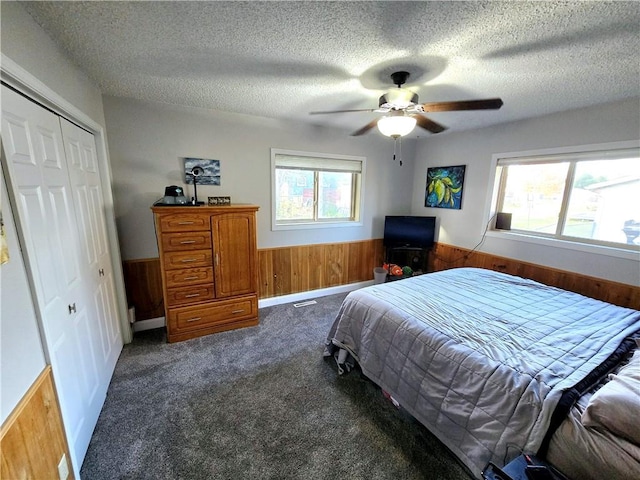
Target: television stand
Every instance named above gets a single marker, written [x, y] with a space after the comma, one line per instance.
[416, 258]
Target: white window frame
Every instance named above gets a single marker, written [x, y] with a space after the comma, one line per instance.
[313, 157]
[576, 244]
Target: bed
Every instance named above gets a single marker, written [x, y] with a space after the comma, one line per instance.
[486, 361]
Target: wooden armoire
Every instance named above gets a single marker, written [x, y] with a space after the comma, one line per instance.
[208, 259]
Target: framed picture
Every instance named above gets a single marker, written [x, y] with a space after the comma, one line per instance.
[444, 187]
[210, 174]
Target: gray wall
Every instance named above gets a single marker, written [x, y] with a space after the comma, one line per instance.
[614, 122]
[24, 42]
[147, 142]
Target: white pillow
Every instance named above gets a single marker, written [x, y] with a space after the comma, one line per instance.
[616, 406]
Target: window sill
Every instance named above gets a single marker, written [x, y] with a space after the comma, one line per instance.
[310, 226]
[568, 245]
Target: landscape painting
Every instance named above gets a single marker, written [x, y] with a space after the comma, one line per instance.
[211, 175]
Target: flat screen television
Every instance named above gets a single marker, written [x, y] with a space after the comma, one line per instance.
[409, 231]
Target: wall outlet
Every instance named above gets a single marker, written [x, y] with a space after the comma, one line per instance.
[63, 468]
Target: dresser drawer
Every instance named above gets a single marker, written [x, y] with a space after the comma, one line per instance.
[184, 222]
[188, 276]
[193, 258]
[188, 295]
[186, 241]
[220, 312]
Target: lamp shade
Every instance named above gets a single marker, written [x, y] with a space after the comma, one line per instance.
[396, 125]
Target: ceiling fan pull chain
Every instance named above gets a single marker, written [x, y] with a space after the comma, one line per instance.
[395, 143]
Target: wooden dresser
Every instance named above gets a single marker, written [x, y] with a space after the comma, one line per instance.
[208, 258]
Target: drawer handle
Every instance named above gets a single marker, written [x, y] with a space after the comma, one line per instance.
[186, 223]
[237, 311]
[195, 319]
[185, 242]
[189, 260]
[190, 278]
[191, 295]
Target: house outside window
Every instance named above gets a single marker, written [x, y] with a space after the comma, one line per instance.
[311, 190]
[587, 197]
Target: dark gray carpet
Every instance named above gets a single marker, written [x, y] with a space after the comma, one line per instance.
[256, 403]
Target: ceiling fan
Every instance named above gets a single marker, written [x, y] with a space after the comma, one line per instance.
[403, 112]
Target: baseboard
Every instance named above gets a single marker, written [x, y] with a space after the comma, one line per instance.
[321, 292]
[141, 325]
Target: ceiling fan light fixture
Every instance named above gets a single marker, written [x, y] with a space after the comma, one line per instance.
[395, 126]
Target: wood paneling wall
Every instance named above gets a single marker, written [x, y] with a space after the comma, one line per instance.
[444, 256]
[143, 283]
[286, 270]
[32, 440]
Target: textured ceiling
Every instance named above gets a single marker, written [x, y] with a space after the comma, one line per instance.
[285, 59]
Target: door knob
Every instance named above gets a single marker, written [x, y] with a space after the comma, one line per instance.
[72, 308]
[101, 272]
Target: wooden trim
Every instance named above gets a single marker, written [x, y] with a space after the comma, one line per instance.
[444, 256]
[32, 437]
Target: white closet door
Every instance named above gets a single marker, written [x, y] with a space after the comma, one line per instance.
[40, 185]
[80, 149]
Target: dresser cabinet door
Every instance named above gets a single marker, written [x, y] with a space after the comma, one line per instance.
[234, 250]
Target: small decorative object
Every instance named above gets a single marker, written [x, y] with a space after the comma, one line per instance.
[210, 171]
[219, 201]
[444, 187]
[4, 247]
[407, 271]
[195, 173]
[394, 270]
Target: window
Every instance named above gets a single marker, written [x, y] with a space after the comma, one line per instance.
[588, 197]
[312, 189]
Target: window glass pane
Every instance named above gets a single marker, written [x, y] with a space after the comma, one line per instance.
[605, 201]
[533, 195]
[335, 195]
[294, 198]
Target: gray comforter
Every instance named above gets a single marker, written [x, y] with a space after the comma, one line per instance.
[479, 357]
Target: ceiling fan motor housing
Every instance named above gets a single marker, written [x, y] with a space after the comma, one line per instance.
[398, 99]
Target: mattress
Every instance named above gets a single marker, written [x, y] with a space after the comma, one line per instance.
[479, 357]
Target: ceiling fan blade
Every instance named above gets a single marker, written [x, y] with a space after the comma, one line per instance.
[344, 111]
[366, 128]
[429, 124]
[487, 104]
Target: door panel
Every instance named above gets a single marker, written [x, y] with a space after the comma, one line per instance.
[99, 282]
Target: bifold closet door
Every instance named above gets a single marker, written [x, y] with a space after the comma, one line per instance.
[43, 197]
[82, 162]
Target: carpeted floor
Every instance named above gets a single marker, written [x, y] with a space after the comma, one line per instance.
[256, 403]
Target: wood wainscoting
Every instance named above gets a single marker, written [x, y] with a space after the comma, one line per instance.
[143, 283]
[287, 270]
[444, 256]
[32, 438]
